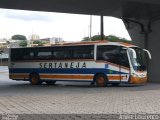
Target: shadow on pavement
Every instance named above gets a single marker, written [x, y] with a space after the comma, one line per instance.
[61, 87]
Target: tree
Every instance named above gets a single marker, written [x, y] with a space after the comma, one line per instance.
[96, 37]
[40, 43]
[114, 38]
[111, 38]
[23, 43]
[36, 42]
[19, 37]
[86, 39]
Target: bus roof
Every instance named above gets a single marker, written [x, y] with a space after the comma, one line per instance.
[99, 42]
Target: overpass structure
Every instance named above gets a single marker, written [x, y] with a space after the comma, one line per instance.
[141, 18]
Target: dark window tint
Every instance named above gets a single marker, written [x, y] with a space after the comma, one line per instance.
[61, 53]
[124, 58]
[44, 53]
[114, 54]
[108, 53]
[29, 55]
[83, 52]
[19, 54]
[16, 54]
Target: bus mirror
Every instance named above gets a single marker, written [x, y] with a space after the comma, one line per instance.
[149, 54]
[134, 53]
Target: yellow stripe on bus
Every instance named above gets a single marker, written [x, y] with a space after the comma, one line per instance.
[45, 76]
[116, 77]
[50, 76]
[18, 76]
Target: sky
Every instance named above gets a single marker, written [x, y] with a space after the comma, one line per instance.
[70, 27]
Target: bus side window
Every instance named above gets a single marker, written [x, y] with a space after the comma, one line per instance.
[44, 55]
[28, 56]
[60, 54]
[83, 52]
[108, 53]
[16, 54]
[124, 58]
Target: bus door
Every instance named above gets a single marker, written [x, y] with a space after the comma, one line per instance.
[124, 65]
[111, 54]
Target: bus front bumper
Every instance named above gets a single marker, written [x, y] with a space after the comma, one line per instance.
[138, 80]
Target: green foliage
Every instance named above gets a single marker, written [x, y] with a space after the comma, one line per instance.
[86, 39]
[23, 43]
[40, 43]
[36, 42]
[19, 37]
[96, 37]
[111, 38]
[114, 38]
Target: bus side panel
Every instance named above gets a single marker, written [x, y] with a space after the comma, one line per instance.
[114, 73]
[75, 70]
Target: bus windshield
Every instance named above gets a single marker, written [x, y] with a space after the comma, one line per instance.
[139, 63]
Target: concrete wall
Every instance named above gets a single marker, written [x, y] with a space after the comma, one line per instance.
[153, 46]
[136, 35]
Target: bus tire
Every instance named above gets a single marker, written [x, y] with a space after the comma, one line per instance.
[50, 82]
[35, 79]
[101, 80]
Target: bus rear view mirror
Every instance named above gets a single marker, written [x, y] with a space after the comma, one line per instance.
[149, 54]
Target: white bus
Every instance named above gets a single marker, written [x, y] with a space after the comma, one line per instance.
[99, 63]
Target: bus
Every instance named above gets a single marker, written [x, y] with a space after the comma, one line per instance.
[99, 63]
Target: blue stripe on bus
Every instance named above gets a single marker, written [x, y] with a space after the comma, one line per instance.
[65, 71]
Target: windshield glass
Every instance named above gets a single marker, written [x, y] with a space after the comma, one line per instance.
[138, 63]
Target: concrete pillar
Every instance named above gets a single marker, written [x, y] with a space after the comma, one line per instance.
[153, 44]
[154, 47]
[136, 35]
[102, 27]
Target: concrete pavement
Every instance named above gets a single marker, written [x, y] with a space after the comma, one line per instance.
[76, 98]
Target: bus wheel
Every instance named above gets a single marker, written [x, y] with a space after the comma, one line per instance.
[34, 79]
[101, 80]
[50, 82]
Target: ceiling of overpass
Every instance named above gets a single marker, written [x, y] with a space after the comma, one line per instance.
[135, 9]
